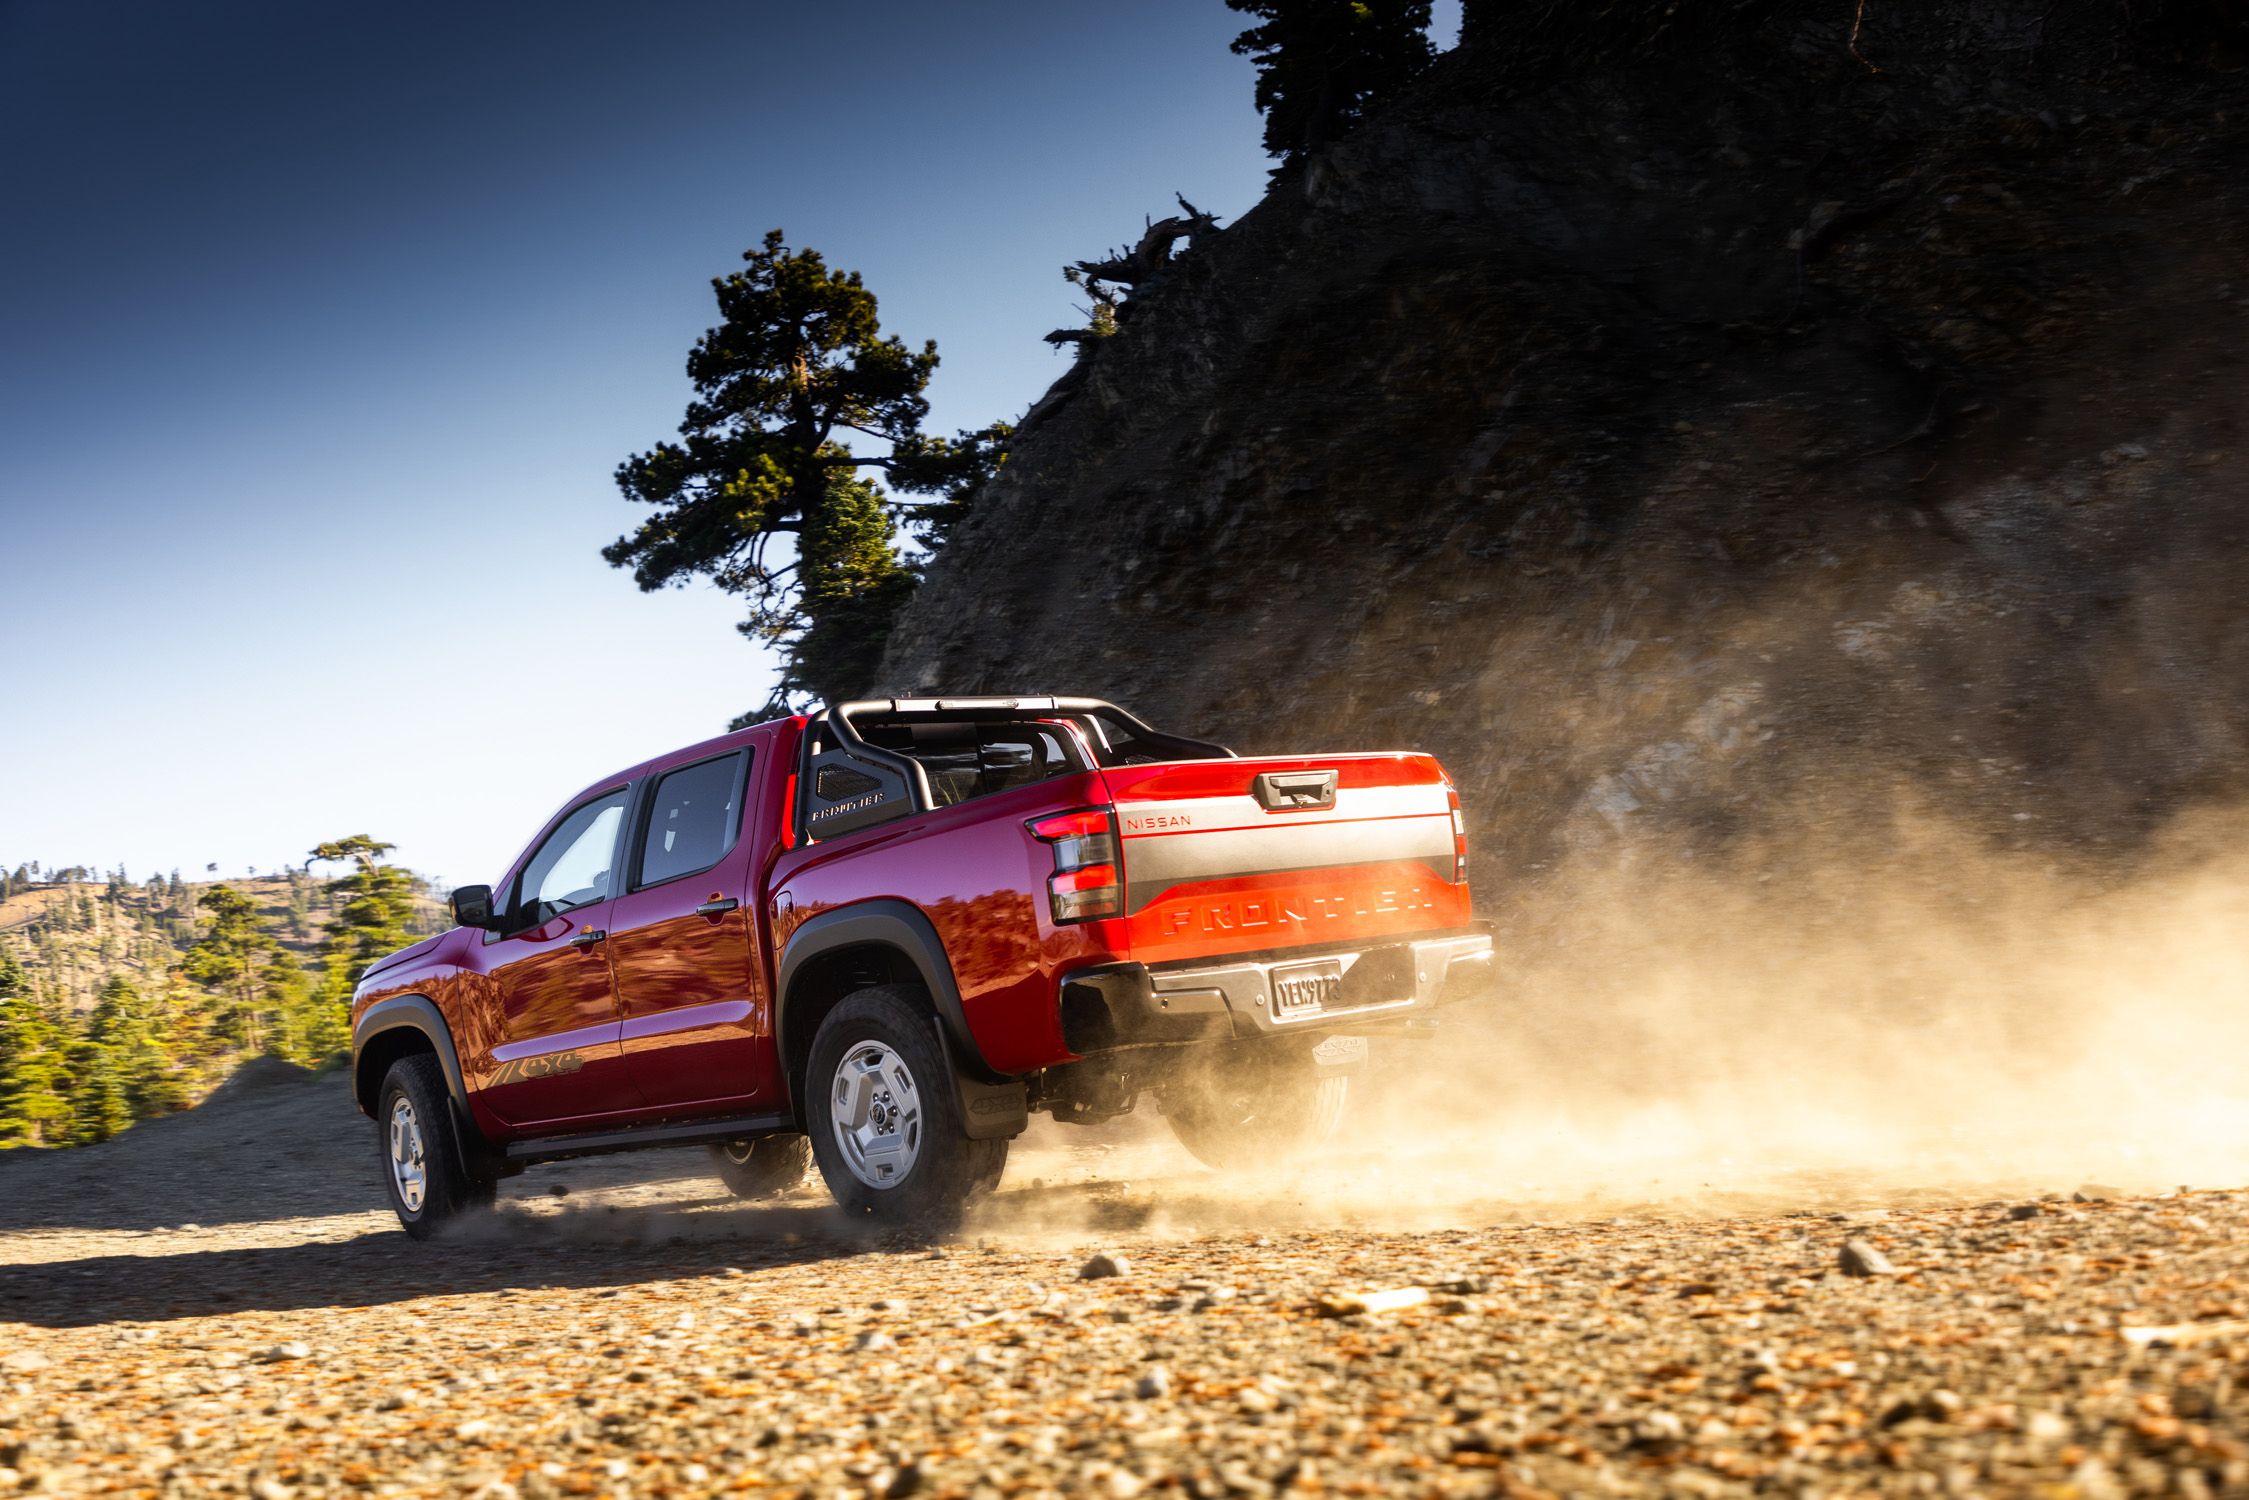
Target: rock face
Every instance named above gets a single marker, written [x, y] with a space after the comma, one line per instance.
[1656, 424]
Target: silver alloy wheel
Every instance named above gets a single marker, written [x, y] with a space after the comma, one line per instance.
[409, 1173]
[875, 1111]
[738, 1152]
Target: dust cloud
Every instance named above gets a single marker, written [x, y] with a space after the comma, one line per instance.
[1902, 1014]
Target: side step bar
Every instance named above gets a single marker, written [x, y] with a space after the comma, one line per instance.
[685, 1133]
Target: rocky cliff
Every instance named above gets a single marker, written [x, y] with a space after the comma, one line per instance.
[1668, 423]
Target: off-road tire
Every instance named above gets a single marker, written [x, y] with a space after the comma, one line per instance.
[948, 1169]
[1256, 1106]
[447, 1192]
[991, 1164]
[764, 1166]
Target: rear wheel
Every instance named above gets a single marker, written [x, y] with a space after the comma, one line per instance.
[883, 1116]
[421, 1150]
[765, 1166]
[1255, 1106]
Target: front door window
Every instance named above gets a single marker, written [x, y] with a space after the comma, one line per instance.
[573, 867]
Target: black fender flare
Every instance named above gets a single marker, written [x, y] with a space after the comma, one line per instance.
[420, 1014]
[417, 1013]
[884, 923]
[905, 929]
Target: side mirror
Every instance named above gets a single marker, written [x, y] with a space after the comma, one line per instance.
[472, 906]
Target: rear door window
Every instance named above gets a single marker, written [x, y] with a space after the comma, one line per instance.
[694, 818]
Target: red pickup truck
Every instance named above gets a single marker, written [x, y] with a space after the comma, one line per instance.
[879, 937]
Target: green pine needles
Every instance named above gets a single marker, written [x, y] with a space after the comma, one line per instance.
[800, 400]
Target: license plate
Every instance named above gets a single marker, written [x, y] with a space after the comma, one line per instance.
[1304, 989]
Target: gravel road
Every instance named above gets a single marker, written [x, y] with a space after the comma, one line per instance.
[644, 1335]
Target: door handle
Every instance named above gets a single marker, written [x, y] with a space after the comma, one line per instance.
[588, 938]
[717, 908]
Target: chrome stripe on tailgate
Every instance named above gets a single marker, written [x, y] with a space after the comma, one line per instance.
[1172, 843]
[1210, 814]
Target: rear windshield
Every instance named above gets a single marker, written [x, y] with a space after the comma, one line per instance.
[847, 788]
[966, 760]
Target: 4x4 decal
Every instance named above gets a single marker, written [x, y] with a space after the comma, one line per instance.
[553, 1065]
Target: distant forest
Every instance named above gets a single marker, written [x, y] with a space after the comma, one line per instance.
[122, 999]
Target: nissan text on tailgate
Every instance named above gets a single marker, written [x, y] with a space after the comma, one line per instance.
[877, 938]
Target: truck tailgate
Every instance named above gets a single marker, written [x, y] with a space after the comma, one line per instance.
[1240, 856]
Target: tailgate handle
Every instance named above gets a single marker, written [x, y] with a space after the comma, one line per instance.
[1295, 791]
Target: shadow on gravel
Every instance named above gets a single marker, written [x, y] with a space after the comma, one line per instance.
[525, 1246]
[573, 1250]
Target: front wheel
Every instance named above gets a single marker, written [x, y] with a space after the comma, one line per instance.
[764, 1166]
[884, 1119]
[1255, 1107]
[421, 1152]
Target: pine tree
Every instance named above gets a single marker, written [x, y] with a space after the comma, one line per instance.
[100, 1107]
[34, 1076]
[300, 903]
[154, 1083]
[798, 365]
[852, 585]
[375, 914]
[124, 1026]
[180, 1026]
[231, 956]
[1323, 65]
[288, 995]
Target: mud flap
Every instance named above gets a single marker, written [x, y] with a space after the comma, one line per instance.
[1340, 1054]
[475, 1155]
[989, 1111]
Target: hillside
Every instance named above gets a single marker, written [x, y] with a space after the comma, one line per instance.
[1670, 422]
[73, 937]
[124, 1000]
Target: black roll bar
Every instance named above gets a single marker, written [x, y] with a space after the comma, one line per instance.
[1084, 713]
[840, 716]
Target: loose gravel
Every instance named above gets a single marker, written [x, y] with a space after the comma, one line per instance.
[647, 1336]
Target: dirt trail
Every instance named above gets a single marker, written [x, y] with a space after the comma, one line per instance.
[643, 1334]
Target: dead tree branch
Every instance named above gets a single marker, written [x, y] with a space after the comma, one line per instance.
[1147, 259]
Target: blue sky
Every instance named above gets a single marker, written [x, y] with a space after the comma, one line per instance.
[323, 326]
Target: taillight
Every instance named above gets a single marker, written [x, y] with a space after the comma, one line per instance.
[1459, 837]
[1085, 883]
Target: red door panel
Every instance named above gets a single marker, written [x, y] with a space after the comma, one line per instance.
[697, 1028]
[560, 1058]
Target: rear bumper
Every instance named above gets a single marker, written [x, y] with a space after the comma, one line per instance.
[1131, 1005]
